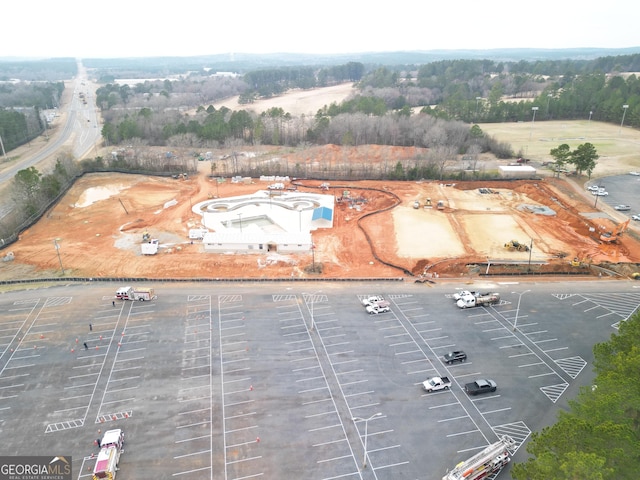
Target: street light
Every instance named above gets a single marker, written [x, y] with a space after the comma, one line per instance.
[549, 95]
[366, 424]
[533, 120]
[312, 298]
[57, 247]
[299, 219]
[515, 322]
[597, 192]
[240, 217]
[624, 112]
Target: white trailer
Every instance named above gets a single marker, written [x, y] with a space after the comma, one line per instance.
[150, 248]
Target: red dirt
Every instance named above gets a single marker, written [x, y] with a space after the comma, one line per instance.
[94, 240]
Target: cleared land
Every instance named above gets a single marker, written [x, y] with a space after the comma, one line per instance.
[102, 237]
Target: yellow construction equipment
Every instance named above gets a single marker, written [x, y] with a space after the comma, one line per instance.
[515, 245]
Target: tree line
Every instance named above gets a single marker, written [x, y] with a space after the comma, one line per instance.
[598, 436]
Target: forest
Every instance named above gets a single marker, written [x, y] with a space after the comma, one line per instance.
[429, 105]
[598, 437]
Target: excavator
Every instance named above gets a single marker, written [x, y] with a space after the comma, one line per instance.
[613, 236]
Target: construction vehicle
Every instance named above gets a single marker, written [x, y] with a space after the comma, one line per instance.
[416, 204]
[146, 236]
[489, 461]
[515, 245]
[427, 203]
[613, 236]
[478, 301]
[440, 205]
[111, 447]
[141, 294]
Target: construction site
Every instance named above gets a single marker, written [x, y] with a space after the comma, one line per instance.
[119, 225]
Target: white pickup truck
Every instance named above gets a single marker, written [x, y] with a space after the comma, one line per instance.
[434, 384]
[373, 299]
[379, 307]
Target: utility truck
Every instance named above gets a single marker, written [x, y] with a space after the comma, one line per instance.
[485, 463]
[111, 447]
[478, 301]
[434, 384]
[141, 294]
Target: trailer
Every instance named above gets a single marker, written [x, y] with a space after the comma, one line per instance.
[489, 461]
[150, 247]
[141, 294]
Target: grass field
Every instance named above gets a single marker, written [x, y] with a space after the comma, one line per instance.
[619, 148]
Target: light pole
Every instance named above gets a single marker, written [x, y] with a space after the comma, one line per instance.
[530, 251]
[57, 247]
[515, 322]
[240, 217]
[299, 219]
[533, 120]
[366, 425]
[624, 112]
[312, 298]
[597, 195]
[549, 95]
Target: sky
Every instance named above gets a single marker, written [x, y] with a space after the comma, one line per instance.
[139, 28]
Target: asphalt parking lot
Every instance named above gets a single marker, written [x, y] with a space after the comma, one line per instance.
[621, 190]
[281, 380]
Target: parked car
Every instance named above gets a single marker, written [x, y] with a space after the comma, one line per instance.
[636, 216]
[634, 173]
[457, 356]
[372, 299]
[434, 384]
[465, 293]
[601, 193]
[593, 188]
[480, 386]
[622, 208]
[380, 307]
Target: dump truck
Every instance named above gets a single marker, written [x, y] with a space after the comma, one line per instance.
[485, 463]
[141, 294]
[478, 301]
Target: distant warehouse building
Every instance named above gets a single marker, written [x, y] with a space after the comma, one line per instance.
[517, 172]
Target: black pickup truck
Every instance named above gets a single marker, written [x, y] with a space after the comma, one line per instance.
[480, 386]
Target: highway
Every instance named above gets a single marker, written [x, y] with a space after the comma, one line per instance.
[80, 133]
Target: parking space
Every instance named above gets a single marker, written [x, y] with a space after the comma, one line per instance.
[238, 382]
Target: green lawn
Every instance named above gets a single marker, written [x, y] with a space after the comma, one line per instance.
[619, 148]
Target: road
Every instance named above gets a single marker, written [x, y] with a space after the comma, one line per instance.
[80, 132]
